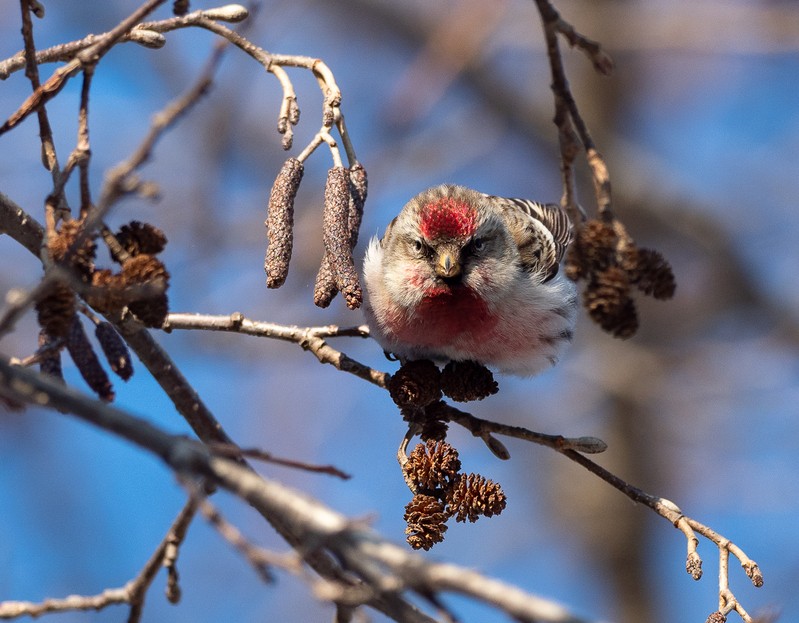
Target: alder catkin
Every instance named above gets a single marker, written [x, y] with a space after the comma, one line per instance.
[115, 350]
[359, 187]
[336, 235]
[280, 222]
[82, 353]
[50, 357]
[325, 288]
[56, 310]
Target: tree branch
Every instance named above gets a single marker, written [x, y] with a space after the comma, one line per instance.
[387, 569]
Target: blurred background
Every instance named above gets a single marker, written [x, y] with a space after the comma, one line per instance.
[699, 125]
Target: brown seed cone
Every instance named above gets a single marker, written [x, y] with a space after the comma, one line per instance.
[473, 495]
[50, 360]
[464, 381]
[593, 249]
[180, 7]
[336, 235]
[87, 363]
[431, 418]
[137, 238]
[431, 465]
[607, 300]
[115, 350]
[426, 519]
[146, 270]
[325, 289]
[82, 258]
[56, 310]
[415, 384]
[108, 292]
[653, 274]
[433, 430]
[280, 222]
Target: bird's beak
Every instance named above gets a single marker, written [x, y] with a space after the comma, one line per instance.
[448, 265]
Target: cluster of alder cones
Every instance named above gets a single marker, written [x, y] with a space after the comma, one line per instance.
[611, 264]
[140, 285]
[432, 470]
[441, 491]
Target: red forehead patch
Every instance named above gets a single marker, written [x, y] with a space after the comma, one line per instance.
[448, 218]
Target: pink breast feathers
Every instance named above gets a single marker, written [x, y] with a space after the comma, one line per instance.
[446, 315]
[448, 218]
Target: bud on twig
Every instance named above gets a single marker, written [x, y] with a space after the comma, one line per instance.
[147, 38]
[228, 13]
[280, 222]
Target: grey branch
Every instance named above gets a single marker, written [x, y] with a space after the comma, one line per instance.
[387, 569]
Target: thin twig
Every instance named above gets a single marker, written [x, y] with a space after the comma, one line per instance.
[87, 56]
[309, 338]
[49, 159]
[132, 593]
[258, 557]
[567, 115]
[231, 450]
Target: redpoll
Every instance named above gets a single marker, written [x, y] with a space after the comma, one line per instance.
[460, 275]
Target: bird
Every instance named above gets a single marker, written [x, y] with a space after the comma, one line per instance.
[460, 275]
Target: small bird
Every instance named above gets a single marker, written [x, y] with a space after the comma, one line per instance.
[464, 276]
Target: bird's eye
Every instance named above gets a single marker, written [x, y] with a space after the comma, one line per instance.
[478, 244]
[418, 246]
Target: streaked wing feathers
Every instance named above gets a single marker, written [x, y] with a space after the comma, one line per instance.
[554, 219]
[542, 232]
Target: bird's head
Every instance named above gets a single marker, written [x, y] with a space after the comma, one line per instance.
[447, 238]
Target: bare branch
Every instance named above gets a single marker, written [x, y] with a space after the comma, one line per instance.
[309, 338]
[87, 56]
[230, 450]
[389, 569]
